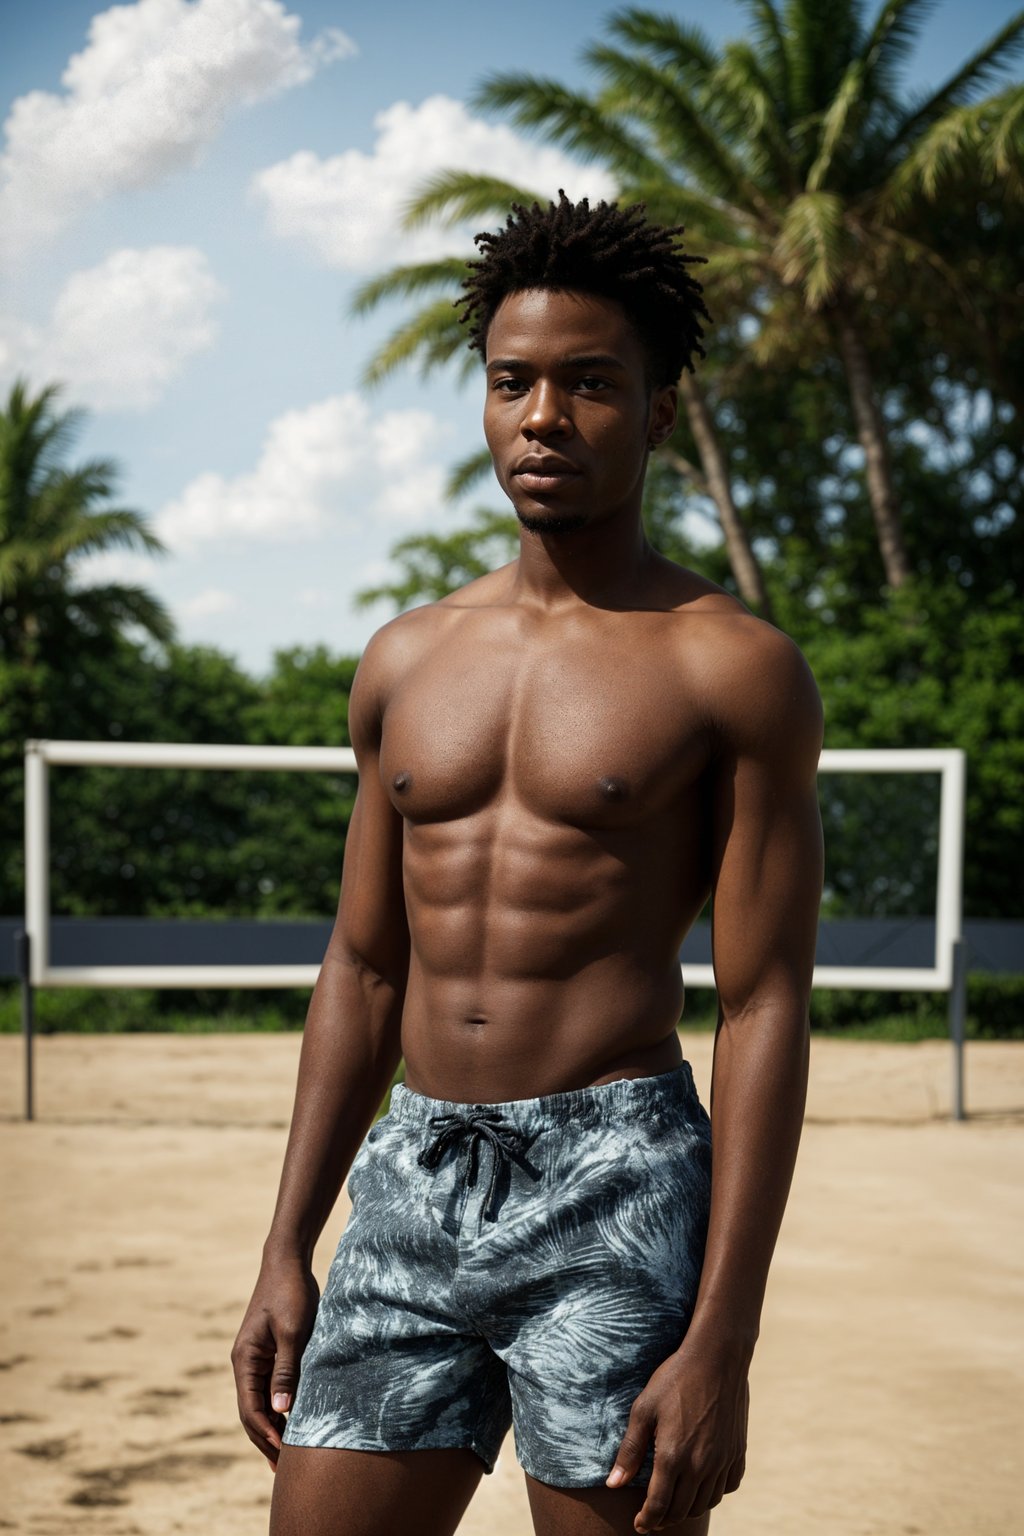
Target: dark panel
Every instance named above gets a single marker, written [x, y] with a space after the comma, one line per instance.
[993, 945]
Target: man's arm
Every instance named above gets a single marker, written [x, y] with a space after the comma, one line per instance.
[350, 1049]
[766, 881]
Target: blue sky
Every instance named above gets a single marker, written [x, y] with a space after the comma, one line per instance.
[190, 190]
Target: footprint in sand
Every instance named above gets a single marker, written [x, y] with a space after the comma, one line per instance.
[158, 1401]
[112, 1333]
[109, 1486]
[206, 1370]
[13, 1360]
[70, 1383]
[47, 1450]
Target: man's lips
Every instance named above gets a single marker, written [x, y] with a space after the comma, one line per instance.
[543, 474]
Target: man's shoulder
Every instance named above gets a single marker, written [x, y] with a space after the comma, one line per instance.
[406, 638]
[754, 679]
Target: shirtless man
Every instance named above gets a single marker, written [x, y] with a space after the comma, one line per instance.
[559, 763]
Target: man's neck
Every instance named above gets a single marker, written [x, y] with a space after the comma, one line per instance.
[602, 566]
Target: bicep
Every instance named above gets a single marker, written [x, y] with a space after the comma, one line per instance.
[767, 857]
[371, 921]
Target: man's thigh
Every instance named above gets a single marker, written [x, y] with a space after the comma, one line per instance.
[595, 1512]
[321, 1492]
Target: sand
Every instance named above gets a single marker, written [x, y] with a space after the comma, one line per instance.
[887, 1389]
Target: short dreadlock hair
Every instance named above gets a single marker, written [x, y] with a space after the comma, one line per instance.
[609, 251]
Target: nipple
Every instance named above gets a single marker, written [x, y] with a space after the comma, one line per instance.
[613, 788]
[402, 781]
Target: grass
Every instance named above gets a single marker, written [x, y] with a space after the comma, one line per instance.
[995, 1011]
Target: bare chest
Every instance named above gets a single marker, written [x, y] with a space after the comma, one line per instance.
[604, 737]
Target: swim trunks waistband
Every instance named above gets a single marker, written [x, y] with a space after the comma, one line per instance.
[624, 1098]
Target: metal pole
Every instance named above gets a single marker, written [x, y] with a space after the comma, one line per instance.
[950, 872]
[37, 861]
[22, 945]
[958, 1024]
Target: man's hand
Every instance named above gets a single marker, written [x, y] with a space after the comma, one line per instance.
[269, 1346]
[695, 1406]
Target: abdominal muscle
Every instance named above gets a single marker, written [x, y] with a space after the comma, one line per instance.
[543, 961]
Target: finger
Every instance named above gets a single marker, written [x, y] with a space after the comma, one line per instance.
[285, 1377]
[718, 1492]
[633, 1445]
[263, 1428]
[700, 1501]
[735, 1476]
[660, 1492]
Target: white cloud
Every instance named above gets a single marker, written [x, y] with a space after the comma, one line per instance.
[148, 92]
[208, 604]
[120, 331]
[345, 211]
[320, 465]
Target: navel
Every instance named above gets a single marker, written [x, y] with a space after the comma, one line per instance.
[402, 781]
[613, 788]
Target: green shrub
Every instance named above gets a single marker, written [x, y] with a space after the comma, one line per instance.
[995, 1011]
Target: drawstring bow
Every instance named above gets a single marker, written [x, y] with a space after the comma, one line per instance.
[505, 1141]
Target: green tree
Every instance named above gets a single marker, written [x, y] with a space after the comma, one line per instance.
[430, 565]
[60, 640]
[800, 169]
[802, 174]
[51, 515]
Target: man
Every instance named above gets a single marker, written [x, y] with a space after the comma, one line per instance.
[559, 763]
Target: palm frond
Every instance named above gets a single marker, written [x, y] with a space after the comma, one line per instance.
[810, 247]
[891, 40]
[979, 70]
[748, 105]
[665, 38]
[986, 136]
[115, 527]
[457, 195]
[409, 282]
[568, 118]
[705, 218]
[431, 338]
[467, 472]
[820, 42]
[770, 44]
[685, 136]
[839, 124]
[115, 604]
[1002, 150]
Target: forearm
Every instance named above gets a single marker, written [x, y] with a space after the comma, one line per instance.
[758, 1094]
[351, 1046]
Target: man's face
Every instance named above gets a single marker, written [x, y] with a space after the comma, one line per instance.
[569, 417]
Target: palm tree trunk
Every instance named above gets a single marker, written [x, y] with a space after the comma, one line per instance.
[749, 578]
[872, 436]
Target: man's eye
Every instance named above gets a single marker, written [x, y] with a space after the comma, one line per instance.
[592, 383]
[507, 385]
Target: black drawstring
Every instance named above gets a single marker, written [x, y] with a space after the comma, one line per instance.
[481, 1125]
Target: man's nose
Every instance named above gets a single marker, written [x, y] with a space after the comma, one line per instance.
[547, 413]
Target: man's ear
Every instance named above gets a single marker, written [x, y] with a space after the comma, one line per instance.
[664, 409]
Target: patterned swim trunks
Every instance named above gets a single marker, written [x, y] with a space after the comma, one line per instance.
[528, 1263]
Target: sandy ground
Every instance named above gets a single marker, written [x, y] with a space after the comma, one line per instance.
[887, 1390]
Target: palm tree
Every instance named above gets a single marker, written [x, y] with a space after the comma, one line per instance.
[801, 171]
[52, 514]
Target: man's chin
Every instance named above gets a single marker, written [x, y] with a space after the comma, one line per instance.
[552, 522]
